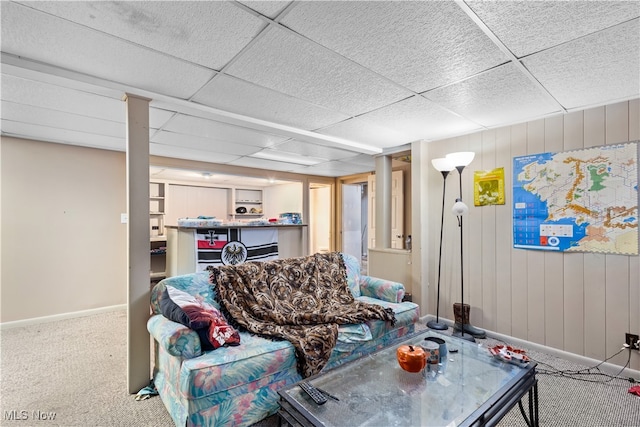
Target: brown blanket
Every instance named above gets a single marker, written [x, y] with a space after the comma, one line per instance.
[302, 300]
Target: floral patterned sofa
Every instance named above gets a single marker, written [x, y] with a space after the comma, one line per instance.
[237, 386]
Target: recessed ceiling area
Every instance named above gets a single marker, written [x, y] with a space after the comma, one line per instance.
[308, 87]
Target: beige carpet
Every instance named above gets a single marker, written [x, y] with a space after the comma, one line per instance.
[77, 370]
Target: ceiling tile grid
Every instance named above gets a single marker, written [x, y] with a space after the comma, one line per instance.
[603, 65]
[271, 8]
[200, 143]
[252, 162]
[42, 37]
[290, 64]
[497, 97]
[44, 95]
[531, 26]
[180, 152]
[421, 45]
[63, 136]
[313, 150]
[208, 33]
[237, 96]
[420, 118]
[369, 132]
[62, 120]
[222, 132]
[320, 85]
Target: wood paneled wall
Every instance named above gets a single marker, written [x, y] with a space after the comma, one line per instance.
[582, 303]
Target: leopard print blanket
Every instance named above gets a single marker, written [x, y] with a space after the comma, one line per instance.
[302, 300]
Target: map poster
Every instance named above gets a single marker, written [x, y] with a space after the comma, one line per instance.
[488, 187]
[582, 201]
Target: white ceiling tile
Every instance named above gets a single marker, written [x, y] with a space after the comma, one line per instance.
[237, 96]
[218, 131]
[204, 144]
[158, 117]
[189, 154]
[41, 37]
[297, 67]
[45, 95]
[61, 120]
[420, 119]
[421, 45]
[63, 136]
[366, 132]
[184, 30]
[269, 8]
[500, 96]
[251, 162]
[601, 67]
[336, 168]
[364, 160]
[314, 150]
[526, 27]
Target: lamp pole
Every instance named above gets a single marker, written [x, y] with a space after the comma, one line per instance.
[459, 208]
[444, 166]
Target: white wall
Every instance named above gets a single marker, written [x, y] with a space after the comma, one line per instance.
[582, 303]
[63, 246]
[283, 198]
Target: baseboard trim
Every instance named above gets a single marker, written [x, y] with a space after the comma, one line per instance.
[61, 316]
[606, 367]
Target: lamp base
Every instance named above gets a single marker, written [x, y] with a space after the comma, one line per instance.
[459, 334]
[432, 324]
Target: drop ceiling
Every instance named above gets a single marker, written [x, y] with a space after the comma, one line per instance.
[316, 87]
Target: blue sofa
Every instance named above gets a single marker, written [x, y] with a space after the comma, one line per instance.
[237, 386]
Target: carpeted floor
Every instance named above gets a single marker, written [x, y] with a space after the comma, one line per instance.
[77, 370]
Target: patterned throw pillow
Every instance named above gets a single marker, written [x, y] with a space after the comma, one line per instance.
[203, 318]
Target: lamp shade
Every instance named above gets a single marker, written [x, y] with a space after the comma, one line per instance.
[460, 208]
[443, 164]
[461, 158]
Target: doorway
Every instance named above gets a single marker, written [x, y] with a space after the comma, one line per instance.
[355, 226]
[320, 218]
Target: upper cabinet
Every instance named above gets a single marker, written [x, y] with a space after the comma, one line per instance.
[246, 202]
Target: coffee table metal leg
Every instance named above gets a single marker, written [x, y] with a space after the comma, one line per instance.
[532, 420]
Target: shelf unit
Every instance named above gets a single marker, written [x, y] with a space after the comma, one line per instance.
[252, 199]
[158, 239]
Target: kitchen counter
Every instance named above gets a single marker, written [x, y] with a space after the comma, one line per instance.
[194, 248]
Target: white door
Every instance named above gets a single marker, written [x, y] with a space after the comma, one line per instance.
[397, 210]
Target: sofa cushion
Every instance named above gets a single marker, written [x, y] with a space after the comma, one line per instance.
[353, 273]
[354, 332]
[207, 321]
[226, 371]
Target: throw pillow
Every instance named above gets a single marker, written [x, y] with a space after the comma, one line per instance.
[203, 318]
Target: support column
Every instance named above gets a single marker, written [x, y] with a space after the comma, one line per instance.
[383, 202]
[138, 261]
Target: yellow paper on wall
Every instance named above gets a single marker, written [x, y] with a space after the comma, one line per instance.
[488, 187]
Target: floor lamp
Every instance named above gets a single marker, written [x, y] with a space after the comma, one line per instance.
[444, 166]
[460, 160]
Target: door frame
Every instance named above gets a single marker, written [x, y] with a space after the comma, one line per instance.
[350, 179]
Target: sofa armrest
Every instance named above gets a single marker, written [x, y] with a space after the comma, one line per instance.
[178, 340]
[385, 290]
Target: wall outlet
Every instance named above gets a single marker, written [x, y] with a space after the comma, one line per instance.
[632, 341]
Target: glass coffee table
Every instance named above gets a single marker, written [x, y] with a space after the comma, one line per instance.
[469, 387]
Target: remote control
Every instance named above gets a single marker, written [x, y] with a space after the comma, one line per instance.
[313, 392]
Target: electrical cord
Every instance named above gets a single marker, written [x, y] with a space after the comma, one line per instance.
[576, 374]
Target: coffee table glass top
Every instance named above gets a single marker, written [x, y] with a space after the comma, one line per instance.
[375, 391]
